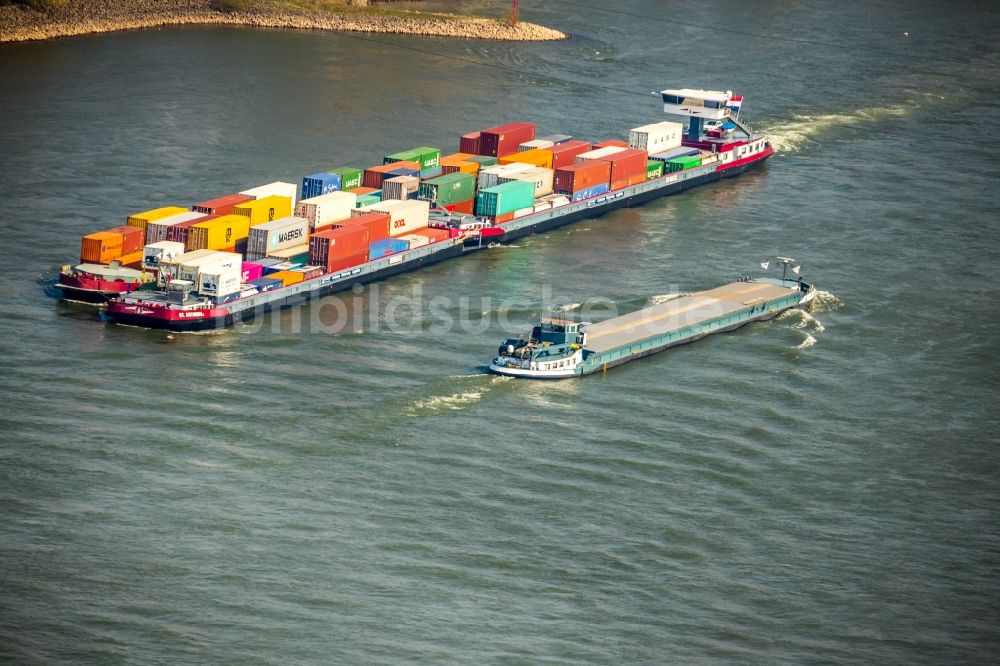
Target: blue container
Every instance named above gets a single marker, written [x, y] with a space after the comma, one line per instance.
[219, 300]
[682, 151]
[590, 192]
[557, 138]
[403, 171]
[431, 173]
[386, 246]
[266, 284]
[320, 183]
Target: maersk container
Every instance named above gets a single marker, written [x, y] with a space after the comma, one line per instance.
[404, 216]
[564, 154]
[350, 177]
[539, 177]
[385, 247]
[276, 235]
[159, 230]
[278, 188]
[266, 283]
[221, 205]
[535, 143]
[505, 198]
[219, 233]
[448, 189]
[682, 151]
[593, 191]
[557, 138]
[321, 183]
[153, 253]
[326, 209]
[400, 187]
[598, 153]
[504, 139]
[576, 177]
[654, 169]
[656, 137]
[140, 220]
[267, 209]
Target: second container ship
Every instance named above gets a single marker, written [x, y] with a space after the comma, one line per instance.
[234, 257]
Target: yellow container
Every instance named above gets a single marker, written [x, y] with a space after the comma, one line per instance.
[141, 220]
[536, 156]
[101, 247]
[287, 277]
[263, 210]
[218, 234]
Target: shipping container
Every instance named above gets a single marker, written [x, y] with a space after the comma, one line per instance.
[598, 153]
[266, 283]
[310, 272]
[431, 173]
[504, 139]
[483, 160]
[159, 230]
[263, 210]
[388, 246]
[132, 238]
[459, 166]
[564, 154]
[426, 158]
[379, 224]
[296, 254]
[490, 176]
[588, 192]
[277, 188]
[400, 187]
[448, 189]
[219, 282]
[467, 207]
[657, 137]
[375, 175]
[153, 253]
[611, 143]
[100, 247]
[469, 143]
[329, 246]
[415, 240]
[276, 235]
[350, 178]
[287, 277]
[369, 200]
[405, 216]
[576, 177]
[179, 232]
[679, 163]
[540, 157]
[218, 233]
[682, 151]
[140, 220]
[318, 184]
[557, 138]
[505, 198]
[191, 264]
[326, 209]
[628, 167]
[654, 169]
[362, 190]
[221, 205]
[541, 178]
[535, 143]
[251, 271]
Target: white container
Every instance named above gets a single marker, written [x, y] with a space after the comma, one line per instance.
[220, 282]
[598, 154]
[289, 252]
[405, 217]
[191, 269]
[554, 200]
[535, 143]
[415, 240]
[521, 212]
[156, 230]
[489, 176]
[541, 205]
[164, 251]
[657, 137]
[169, 267]
[324, 210]
[539, 176]
[399, 187]
[279, 188]
[277, 235]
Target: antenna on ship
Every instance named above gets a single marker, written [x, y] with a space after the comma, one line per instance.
[785, 263]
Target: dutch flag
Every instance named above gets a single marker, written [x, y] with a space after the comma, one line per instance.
[735, 102]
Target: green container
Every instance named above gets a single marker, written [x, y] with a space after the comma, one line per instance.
[505, 198]
[654, 169]
[366, 200]
[448, 189]
[427, 158]
[678, 163]
[349, 177]
[482, 160]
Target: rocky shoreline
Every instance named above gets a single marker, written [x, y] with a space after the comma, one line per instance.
[79, 17]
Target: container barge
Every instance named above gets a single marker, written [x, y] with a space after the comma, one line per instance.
[356, 226]
[560, 348]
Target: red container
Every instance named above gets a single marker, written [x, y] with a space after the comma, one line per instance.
[613, 142]
[576, 177]
[179, 232]
[435, 235]
[341, 263]
[627, 167]
[376, 223]
[462, 206]
[330, 246]
[376, 174]
[504, 139]
[564, 154]
[221, 205]
[469, 143]
[133, 238]
[364, 190]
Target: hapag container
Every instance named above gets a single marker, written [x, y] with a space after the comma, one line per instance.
[165, 250]
[405, 216]
[654, 169]
[329, 246]
[100, 247]
[540, 177]
[142, 219]
[385, 247]
[490, 176]
[379, 224]
[586, 193]
[266, 283]
[375, 175]
[218, 233]
[326, 209]
[598, 153]
[317, 184]
[611, 143]
[504, 139]
[576, 177]
[448, 189]
[221, 205]
[564, 154]
[287, 277]
[263, 210]
[350, 178]
[276, 235]
[505, 198]
[541, 157]
[682, 151]
[277, 188]
[159, 230]
[251, 271]
[469, 143]
[400, 187]
[656, 137]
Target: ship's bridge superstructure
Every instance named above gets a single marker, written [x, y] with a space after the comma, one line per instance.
[702, 105]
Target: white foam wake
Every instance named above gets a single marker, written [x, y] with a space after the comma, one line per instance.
[663, 298]
[807, 343]
[793, 135]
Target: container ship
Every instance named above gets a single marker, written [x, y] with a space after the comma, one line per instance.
[236, 256]
[560, 348]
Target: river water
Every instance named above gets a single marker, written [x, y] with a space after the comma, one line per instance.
[342, 482]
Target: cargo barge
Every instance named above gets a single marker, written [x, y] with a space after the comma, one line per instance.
[560, 348]
[520, 185]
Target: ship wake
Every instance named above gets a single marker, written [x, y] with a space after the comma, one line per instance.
[802, 130]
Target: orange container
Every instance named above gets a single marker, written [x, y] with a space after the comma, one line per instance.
[287, 277]
[132, 260]
[100, 247]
